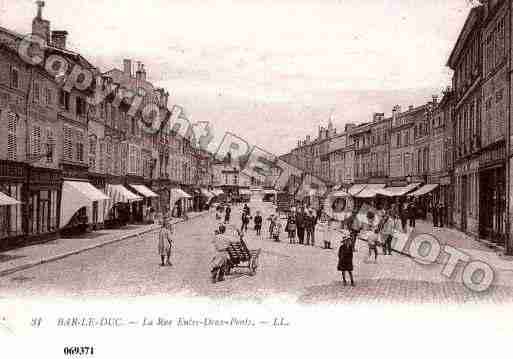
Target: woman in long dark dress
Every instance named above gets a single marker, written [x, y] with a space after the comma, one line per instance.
[345, 259]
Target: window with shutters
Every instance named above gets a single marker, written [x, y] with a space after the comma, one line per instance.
[102, 157]
[12, 136]
[37, 92]
[68, 144]
[35, 142]
[48, 96]
[80, 146]
[64, 99]
[92, 153]
[50, 146]
[15, 78]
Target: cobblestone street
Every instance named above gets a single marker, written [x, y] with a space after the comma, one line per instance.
[292, 273]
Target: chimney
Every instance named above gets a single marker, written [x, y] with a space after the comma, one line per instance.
[410, 108]
[349, 127]
[138, 73]
[307, 139]
[41, 27]
[435, 99]
[378, 116]
[59, 39]
[127, 67]
[143, 72]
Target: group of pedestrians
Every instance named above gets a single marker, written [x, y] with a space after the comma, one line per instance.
[301, 222]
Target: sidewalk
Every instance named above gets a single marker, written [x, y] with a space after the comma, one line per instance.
[476, 250]
[26, 257]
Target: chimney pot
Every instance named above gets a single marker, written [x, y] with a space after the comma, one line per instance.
[410, 107]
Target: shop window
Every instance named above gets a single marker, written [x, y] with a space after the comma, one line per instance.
[11, 216]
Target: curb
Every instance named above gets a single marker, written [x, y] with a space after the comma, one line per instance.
[57, 257]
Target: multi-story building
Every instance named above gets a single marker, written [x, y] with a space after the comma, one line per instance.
[380, 149]
[441, 155]
[466, 60]
[361, 136]
[493, 122]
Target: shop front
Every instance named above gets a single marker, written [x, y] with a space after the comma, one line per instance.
[122, 203]
[162, 187]
[492, 195]
[13, 177]
[43, 203]
[148, 196]
[99, 181]
[178, 202]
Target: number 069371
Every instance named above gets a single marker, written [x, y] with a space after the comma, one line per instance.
[79, 351]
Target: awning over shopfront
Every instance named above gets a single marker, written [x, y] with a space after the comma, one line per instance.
[178, 194]
[356, 188]
[397, 191]
[76, 195]
[120, 194]
[5, 200]
[217, 192]
[424, 190]
[245, 192]
[339, 194]
[145, 191]
[370, 190]
[206, 193]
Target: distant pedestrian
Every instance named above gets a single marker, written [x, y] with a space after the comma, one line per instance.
[165, 243]
[245, 222]
[390, 227]
[291, 227]
[258, 224]
[345, 259]
[354, 225]
[227, 214]
[372, 242]
[272, 223]
[277, 231]
[301, 225]
[412, 214]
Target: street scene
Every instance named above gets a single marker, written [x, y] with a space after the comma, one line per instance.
[194, 172]
[292, 272]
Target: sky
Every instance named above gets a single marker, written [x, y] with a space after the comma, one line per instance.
[269, 71]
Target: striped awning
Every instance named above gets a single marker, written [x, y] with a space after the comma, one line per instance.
[145, 191]
[120, 194]
[217, 192]
[5, 200]
[76, 195]
[356, 188]
[206, 193]
[424, 190]
[397, 191]
[370, 190]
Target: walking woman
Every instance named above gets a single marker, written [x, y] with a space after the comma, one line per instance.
[165, 242]
[345, 259]
[291, 227]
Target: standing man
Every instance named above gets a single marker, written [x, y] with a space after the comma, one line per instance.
[313, 223]
[301, 224]
[412, 214]
[308, 225]
[227, 214]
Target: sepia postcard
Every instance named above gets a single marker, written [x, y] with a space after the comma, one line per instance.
[243, 178]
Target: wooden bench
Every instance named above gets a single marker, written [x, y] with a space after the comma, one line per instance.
[242, 257]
